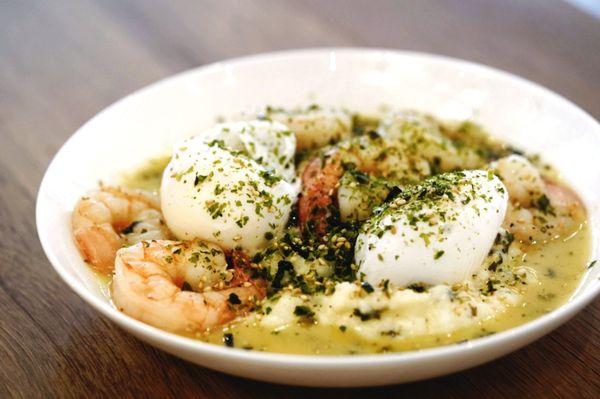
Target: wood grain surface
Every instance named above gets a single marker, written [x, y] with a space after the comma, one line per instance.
[63, 61]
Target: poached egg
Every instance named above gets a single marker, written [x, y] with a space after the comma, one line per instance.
[438, 232]
[215, 190]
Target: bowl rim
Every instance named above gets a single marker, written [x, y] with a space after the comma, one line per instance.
[552, 319]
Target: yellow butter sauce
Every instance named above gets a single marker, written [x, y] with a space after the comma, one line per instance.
[148, 176]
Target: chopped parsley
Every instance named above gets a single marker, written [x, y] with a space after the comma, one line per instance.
[367, 287]
[129, 229]
[303, 311]
[199, 179]
[365, 316]
[543, 204]
[234, 299]
[416, 287]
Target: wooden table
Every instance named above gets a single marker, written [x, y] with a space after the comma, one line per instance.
[62, 62]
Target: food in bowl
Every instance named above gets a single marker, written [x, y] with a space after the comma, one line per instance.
[322, 231]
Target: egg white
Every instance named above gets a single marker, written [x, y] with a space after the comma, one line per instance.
[219, 195]
[434, 241]
[270, 144]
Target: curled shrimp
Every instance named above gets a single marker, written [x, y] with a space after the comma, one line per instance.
[183, 287]
[111, 217]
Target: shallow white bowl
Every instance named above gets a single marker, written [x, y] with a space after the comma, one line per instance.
[147, 122]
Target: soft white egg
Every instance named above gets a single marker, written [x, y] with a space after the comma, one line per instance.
[224, 197]
[271, 144]
[435, 233]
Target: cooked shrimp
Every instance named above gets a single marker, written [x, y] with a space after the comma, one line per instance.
[539, 209]
[564, 200]
[522, 180]
[111, 217]
[182, 287]
[320, 180]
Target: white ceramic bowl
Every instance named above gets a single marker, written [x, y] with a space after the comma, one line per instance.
[147, 122]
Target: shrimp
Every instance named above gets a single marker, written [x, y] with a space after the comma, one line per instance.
[320, 180]
[522, 180]
[183, 287]
[538, 209]
[111, 217]
[557, 213]
[564, 200]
